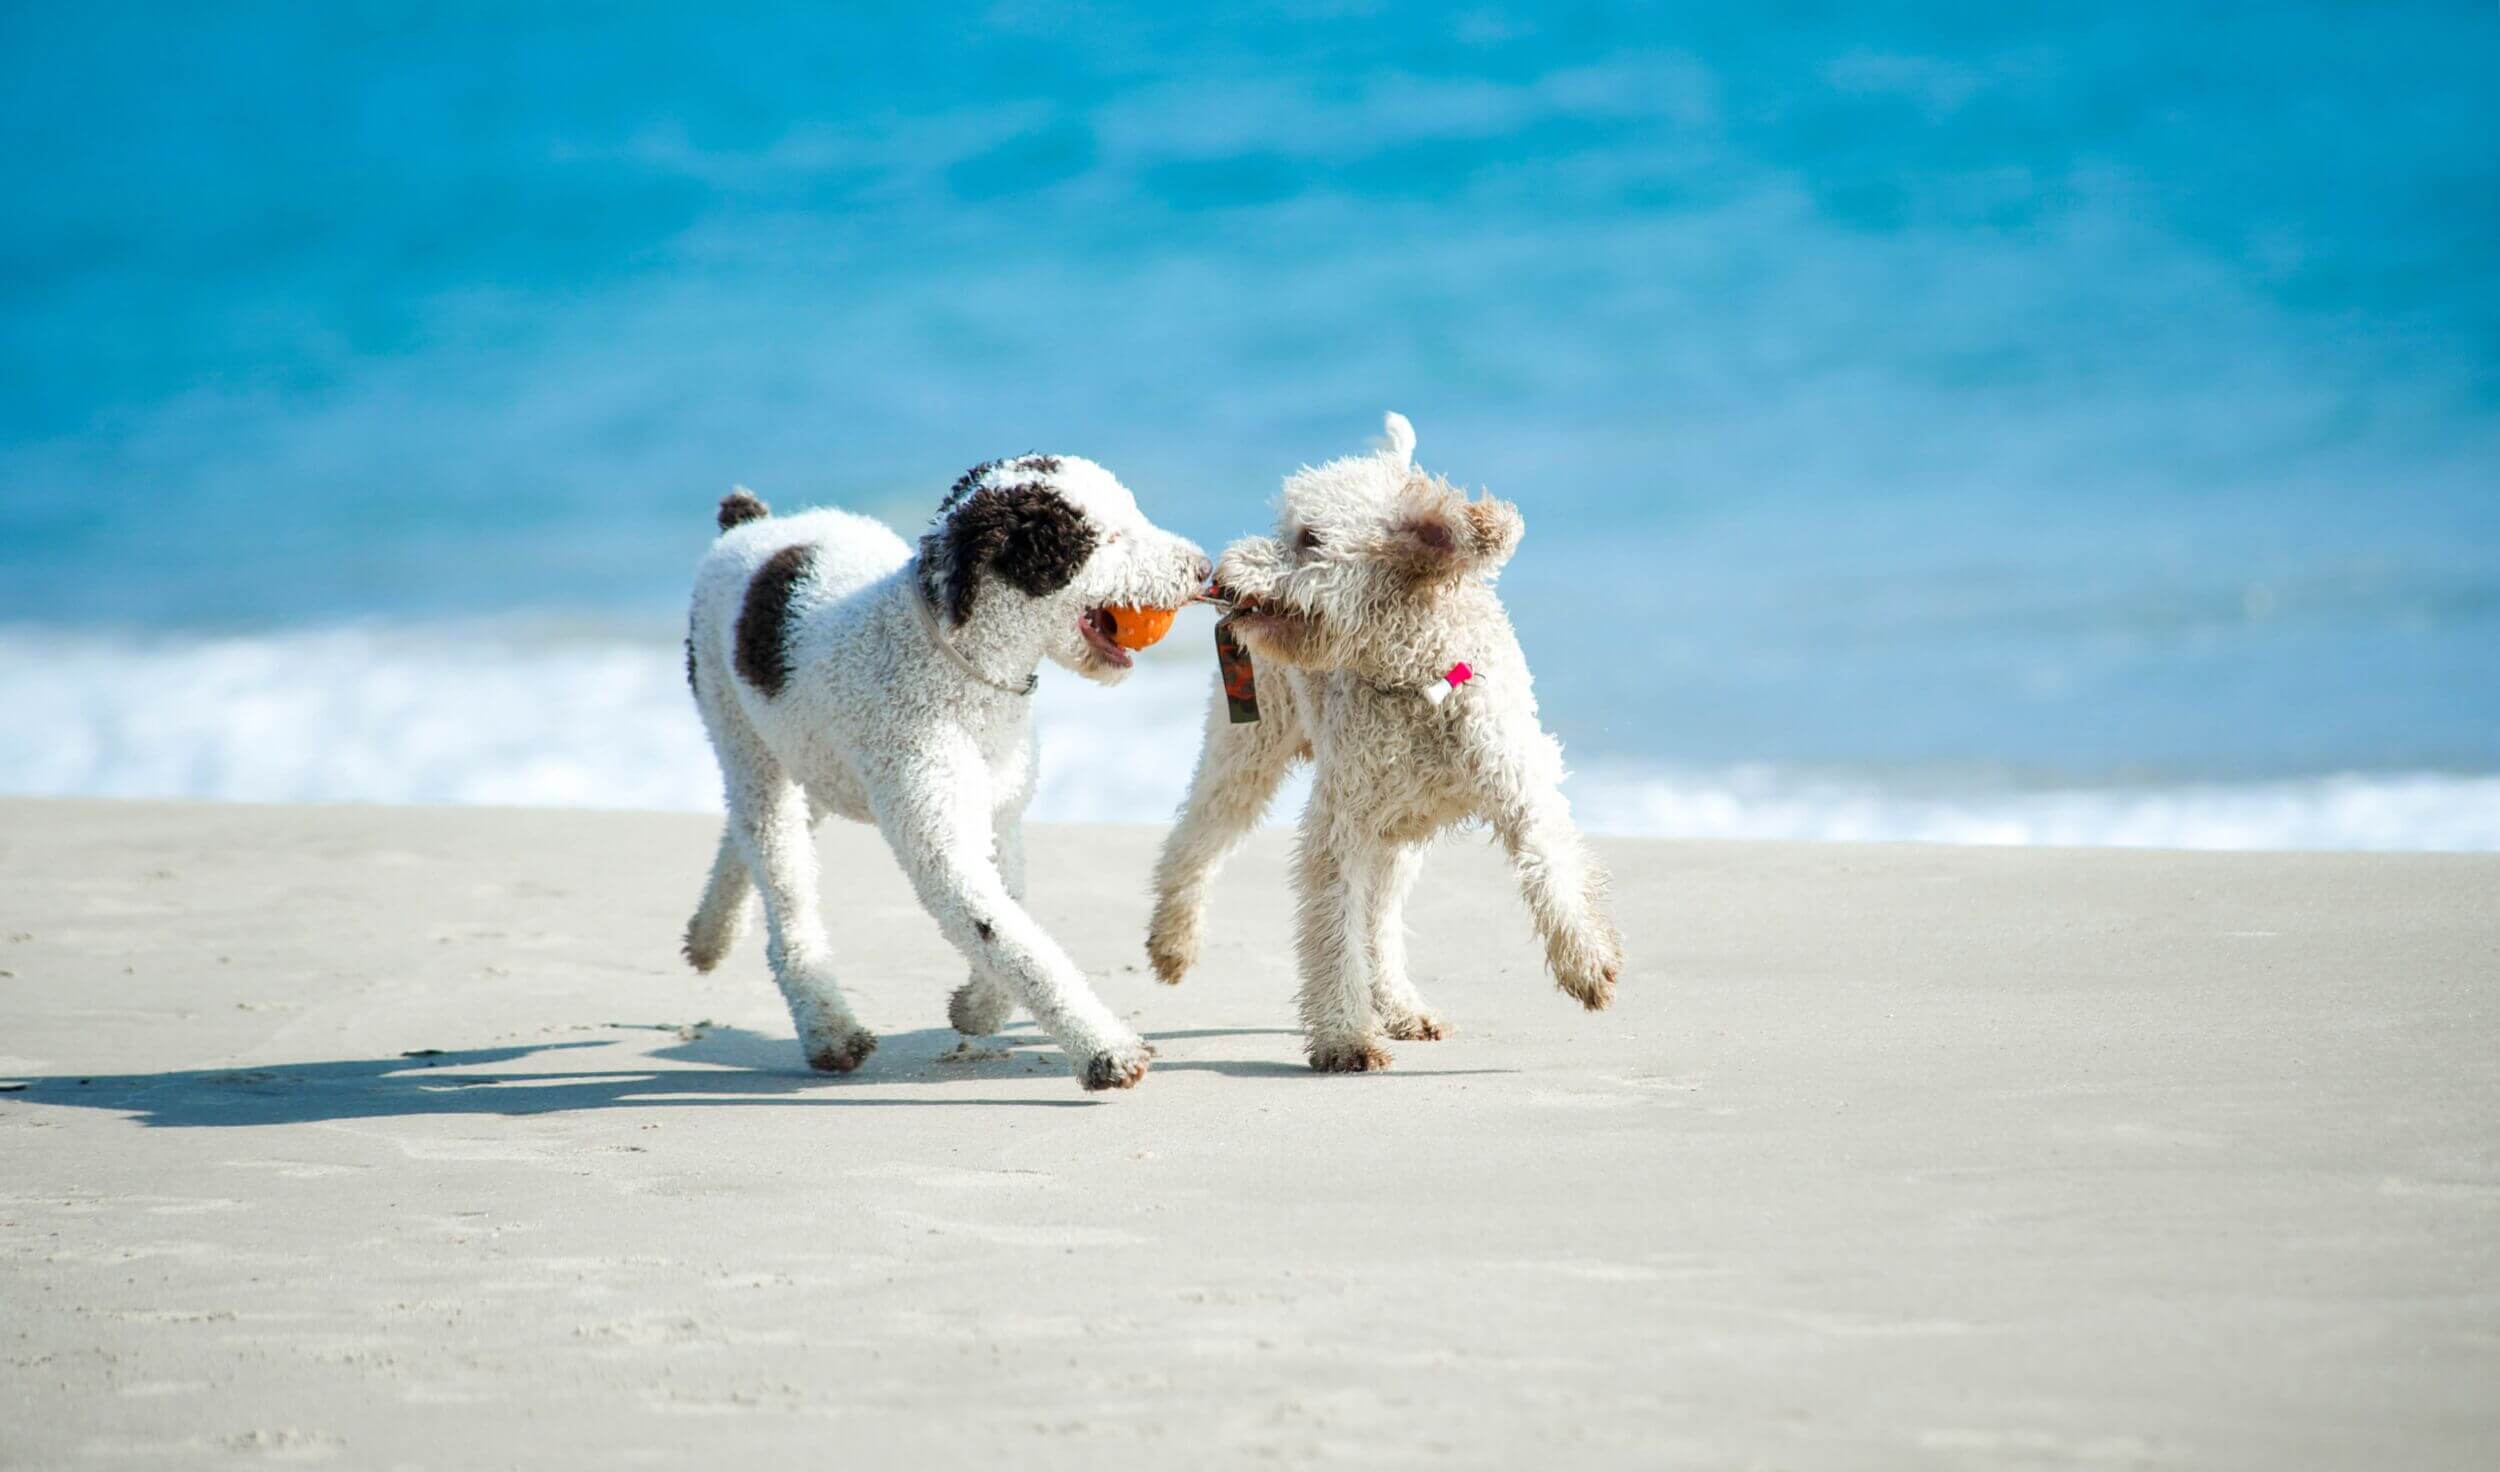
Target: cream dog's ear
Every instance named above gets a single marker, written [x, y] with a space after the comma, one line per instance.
[1496, 527]
[1400, 445]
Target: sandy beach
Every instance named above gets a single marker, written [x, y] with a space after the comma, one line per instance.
[401, 1138]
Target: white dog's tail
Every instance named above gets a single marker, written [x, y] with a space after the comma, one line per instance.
[727, 901]
[741, 506]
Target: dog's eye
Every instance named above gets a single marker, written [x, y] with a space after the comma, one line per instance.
[1308, 541]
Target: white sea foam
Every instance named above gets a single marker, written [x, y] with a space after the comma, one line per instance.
[467, 714]
[462, 714]
[2377, 811]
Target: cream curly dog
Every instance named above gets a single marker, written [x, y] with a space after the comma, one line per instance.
[1376, 592]
[838, 673]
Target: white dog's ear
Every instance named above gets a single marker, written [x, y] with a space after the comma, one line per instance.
[1401, 438]
[1029, 536]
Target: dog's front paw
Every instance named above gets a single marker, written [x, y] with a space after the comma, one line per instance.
[842, 1051]
[1121, 1066]
[1588, 970]
[978, 1011]
[1348, 1055]
[1172, 942]
[1418, 1026]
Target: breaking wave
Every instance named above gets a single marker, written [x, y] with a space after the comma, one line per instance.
[558, 717]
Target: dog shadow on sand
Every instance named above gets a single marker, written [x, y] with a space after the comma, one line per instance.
[708, 1066]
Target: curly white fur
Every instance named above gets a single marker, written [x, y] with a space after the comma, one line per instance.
[874, 721]
[1379, 579]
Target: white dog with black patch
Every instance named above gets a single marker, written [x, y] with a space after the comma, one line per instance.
[1382, 657]
[839, 673]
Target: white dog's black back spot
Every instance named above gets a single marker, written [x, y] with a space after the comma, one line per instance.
[764, 622]
[1028, 535]
[740, 507]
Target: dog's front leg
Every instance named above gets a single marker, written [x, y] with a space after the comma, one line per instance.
[1336, 870]
[1239, 769]
[981, 1005]
[1565, 888]
[937, 820]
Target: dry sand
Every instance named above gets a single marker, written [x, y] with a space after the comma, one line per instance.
[1887, 1157]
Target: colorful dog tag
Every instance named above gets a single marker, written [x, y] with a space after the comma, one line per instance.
[1241, 686]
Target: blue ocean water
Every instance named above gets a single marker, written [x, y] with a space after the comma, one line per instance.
[2027, 423]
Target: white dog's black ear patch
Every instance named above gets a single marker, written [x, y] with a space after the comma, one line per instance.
[1029, 535]
[764, 621]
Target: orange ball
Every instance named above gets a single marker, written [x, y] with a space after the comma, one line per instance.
[1136, 628]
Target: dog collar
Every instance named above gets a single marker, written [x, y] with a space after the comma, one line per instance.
[937, 635]
[1442, 684]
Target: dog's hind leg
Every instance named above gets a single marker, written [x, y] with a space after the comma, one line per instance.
[1337, 869]
[1400, 1008]
[981, 1005]
[1239, 770]
[770, 821]
[728, 901]
[729, 895]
